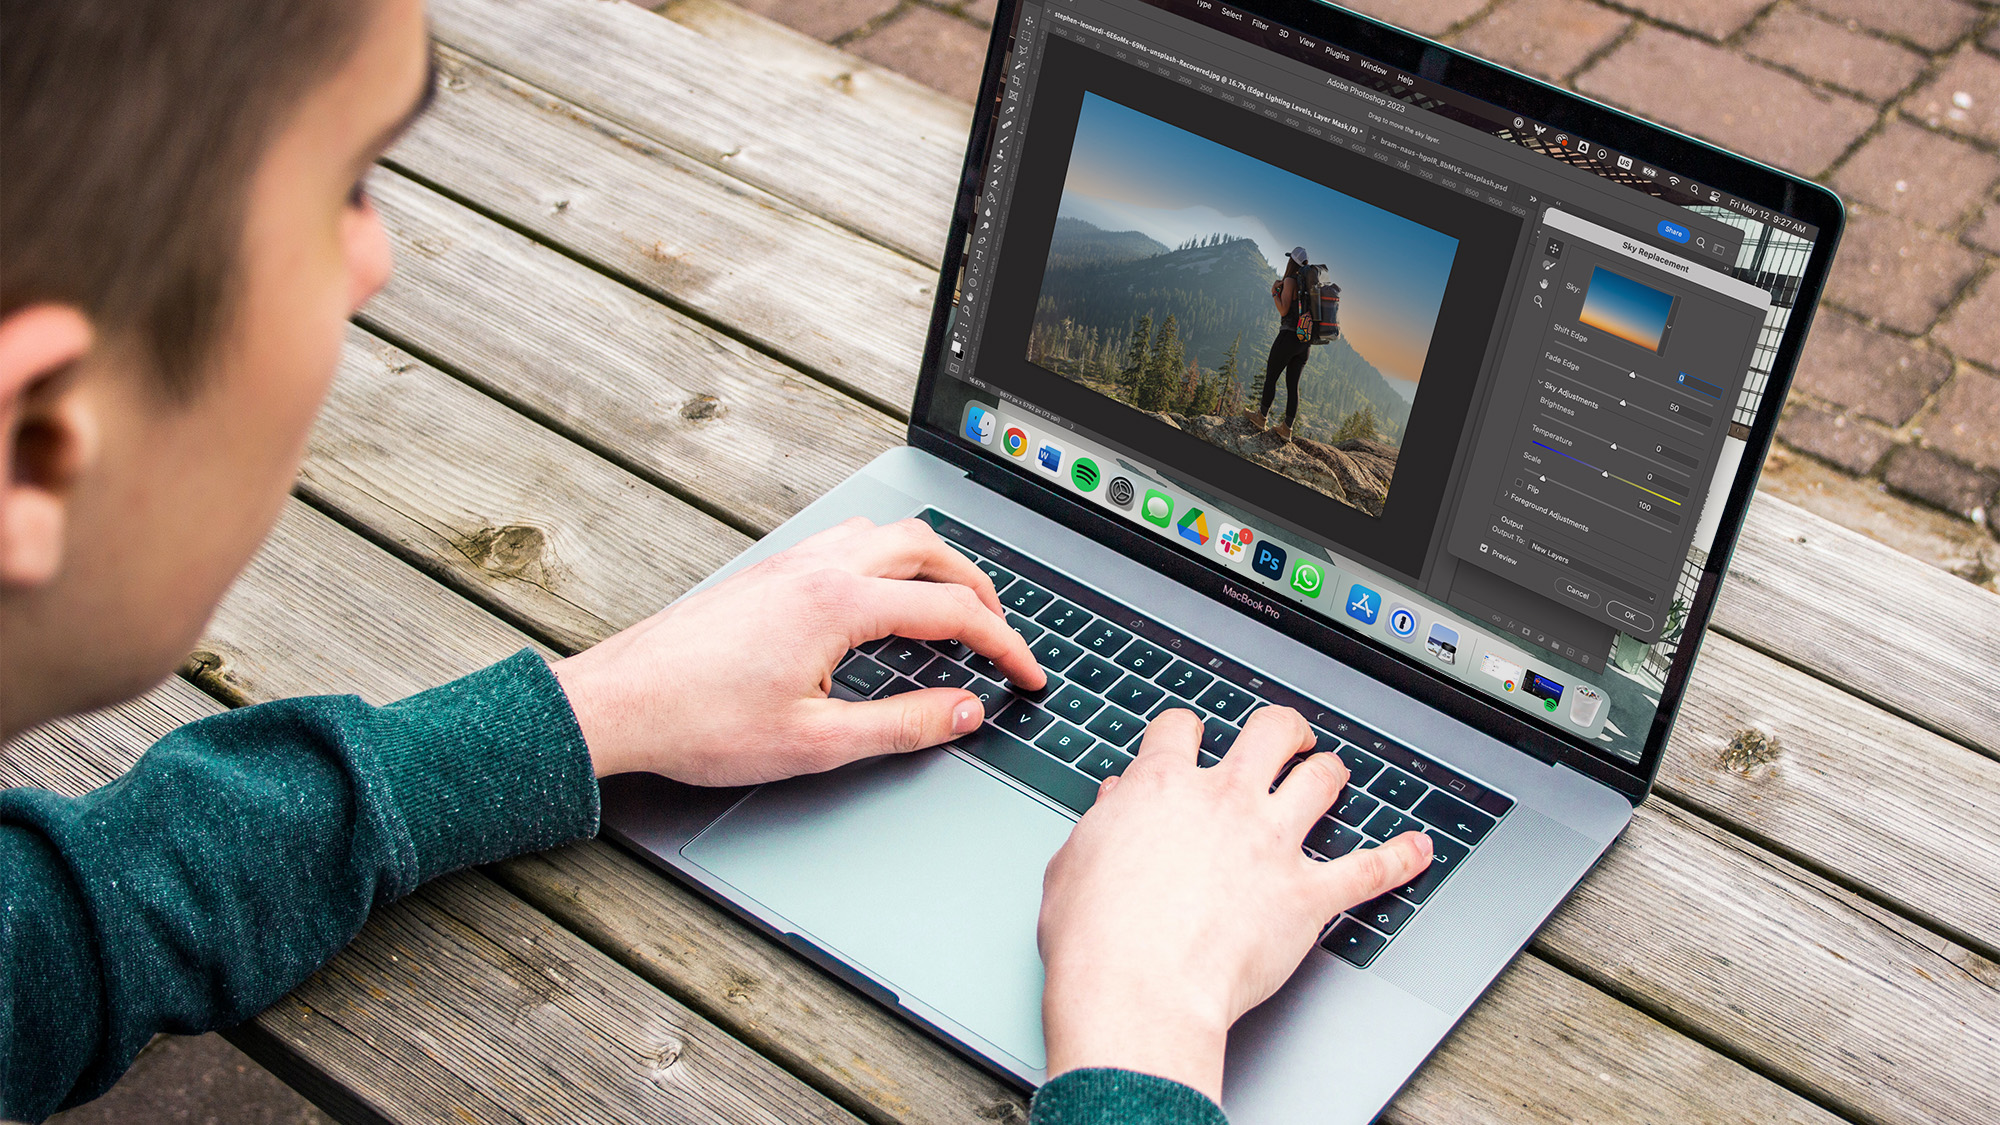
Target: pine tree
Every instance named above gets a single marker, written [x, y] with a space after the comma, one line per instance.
[1138, 358]
[1161, 382]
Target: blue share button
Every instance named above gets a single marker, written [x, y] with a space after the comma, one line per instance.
[1673, 232]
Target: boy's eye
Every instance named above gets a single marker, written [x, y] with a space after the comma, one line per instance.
[357, 196]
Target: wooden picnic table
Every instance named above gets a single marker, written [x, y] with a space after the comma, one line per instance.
[581, 394]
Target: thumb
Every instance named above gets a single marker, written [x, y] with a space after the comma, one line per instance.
[898, 724]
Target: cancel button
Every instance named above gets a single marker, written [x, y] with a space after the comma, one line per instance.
[1570, 589]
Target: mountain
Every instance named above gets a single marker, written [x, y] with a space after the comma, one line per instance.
[1218, 290]
[1077, 243]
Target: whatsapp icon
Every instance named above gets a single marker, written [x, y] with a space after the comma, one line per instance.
[1307, 578]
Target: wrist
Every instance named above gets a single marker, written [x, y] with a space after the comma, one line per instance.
[1131, 1026]
[609, 753]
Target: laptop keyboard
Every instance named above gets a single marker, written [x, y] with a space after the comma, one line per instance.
[1111, 670]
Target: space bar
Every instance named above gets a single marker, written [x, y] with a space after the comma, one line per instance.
[1031, 768]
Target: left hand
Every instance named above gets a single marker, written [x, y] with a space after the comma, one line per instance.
[729, 687]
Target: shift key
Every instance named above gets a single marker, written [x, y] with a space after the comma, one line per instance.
[1031, 768]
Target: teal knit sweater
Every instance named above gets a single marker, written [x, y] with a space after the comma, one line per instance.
[241, 852]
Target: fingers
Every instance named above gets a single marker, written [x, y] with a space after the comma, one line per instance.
[1366, 872]
[1272, 737]
[936, 611]
[904, 549]
[1309, 790]
[1172, 736]
[896, 725]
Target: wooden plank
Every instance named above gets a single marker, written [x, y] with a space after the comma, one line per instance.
[683, 405]
[1902, 813]
[1921, 642]
[890, 178]
[788, 56]
[1786, 972]
[1540, 1047]
[499, 505]
[82, 752]
[793, 284]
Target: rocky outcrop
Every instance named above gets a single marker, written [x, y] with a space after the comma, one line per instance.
[1356, 473]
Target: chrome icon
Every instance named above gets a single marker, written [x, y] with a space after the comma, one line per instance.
[1015, 441]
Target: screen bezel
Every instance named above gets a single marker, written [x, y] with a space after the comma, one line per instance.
[1519, 93]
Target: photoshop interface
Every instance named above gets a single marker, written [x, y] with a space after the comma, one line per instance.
[1507, 444]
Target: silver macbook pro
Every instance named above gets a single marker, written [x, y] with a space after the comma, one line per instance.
[1465, 503]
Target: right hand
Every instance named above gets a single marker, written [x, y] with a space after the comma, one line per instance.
[1182, 899]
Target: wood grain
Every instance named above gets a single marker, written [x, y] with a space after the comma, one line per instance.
[1921, 642]
[680, 404]
[824, 299]
[888, 177]
[500, 506]
[80, 753]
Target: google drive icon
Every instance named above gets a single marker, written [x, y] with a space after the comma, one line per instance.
[1193, 527]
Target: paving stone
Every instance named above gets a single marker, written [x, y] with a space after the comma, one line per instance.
[1925, 177]
[1867, 371]
[1893, 271]
[1930, 24]
[1936, 479]
[1716, 19]
[1739, 104]
[940, 51]
[1985, 231]
[981, 11]
[1425, 17]
[1973, 328]
[1964, 97]
[1853, 60]
[1547, 38]
[821, 19]
[195, 1080]
[1850, 444]
[1967, 424]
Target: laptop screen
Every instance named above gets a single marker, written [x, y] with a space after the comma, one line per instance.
[1469, 384]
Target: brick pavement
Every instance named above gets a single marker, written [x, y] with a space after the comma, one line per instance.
[1893, 103]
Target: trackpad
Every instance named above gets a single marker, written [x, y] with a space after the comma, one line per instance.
[922, 869]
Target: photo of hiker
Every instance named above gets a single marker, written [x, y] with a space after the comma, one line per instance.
[1209, 288]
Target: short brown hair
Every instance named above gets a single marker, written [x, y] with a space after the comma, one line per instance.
[131, 130]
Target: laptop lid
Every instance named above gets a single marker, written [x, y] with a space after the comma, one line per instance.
[1530, 350]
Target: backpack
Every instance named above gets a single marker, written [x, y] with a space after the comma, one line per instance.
[1316, 310]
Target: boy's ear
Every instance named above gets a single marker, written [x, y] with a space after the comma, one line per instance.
[48, 438]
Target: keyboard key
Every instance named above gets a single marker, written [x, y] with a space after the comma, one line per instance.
[1023, 719]
[1029, 631]
[1204, 759]
[1144, 658]
[944, 672]
[862, 675]
[1389, 822]
[1397, 788]
[1116, 726]
[1353, 942]
[1094, 673]
[1074, 704]
[1025, 597]
[898, 686]
[955, 649]
[1031, 768]
[1217, 736]
[1446, 855]
[1134, 694]
[1184, 679]
[999, 574]
[1103, 638]
[1386, 914]
[1064, 741]
[1355, 807]
[1103, 762]
[1453, 816]
[1053, 685]
[1226, 701]
[869, 647]
[1361, 765]
[992, 696]
[1063, 618]
[1054, 653]
[981, 666]
[904, 655]
[1332, 840]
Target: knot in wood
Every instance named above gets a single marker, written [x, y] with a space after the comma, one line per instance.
[1749, 748]
[665, 1056]
[508, 550]
[702, 408]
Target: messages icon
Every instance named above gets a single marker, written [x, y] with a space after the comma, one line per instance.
[1158, 508]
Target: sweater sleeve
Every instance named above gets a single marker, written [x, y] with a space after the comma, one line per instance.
[241, 852]
[1102, 1096]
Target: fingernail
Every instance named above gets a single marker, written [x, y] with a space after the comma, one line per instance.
[965, 718]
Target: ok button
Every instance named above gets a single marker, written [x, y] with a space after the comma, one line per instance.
[1622, 612]
[1673, 232]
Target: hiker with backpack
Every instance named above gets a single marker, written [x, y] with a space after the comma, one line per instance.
[1308, 310]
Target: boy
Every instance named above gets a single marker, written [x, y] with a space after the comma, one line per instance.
[184, 230]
